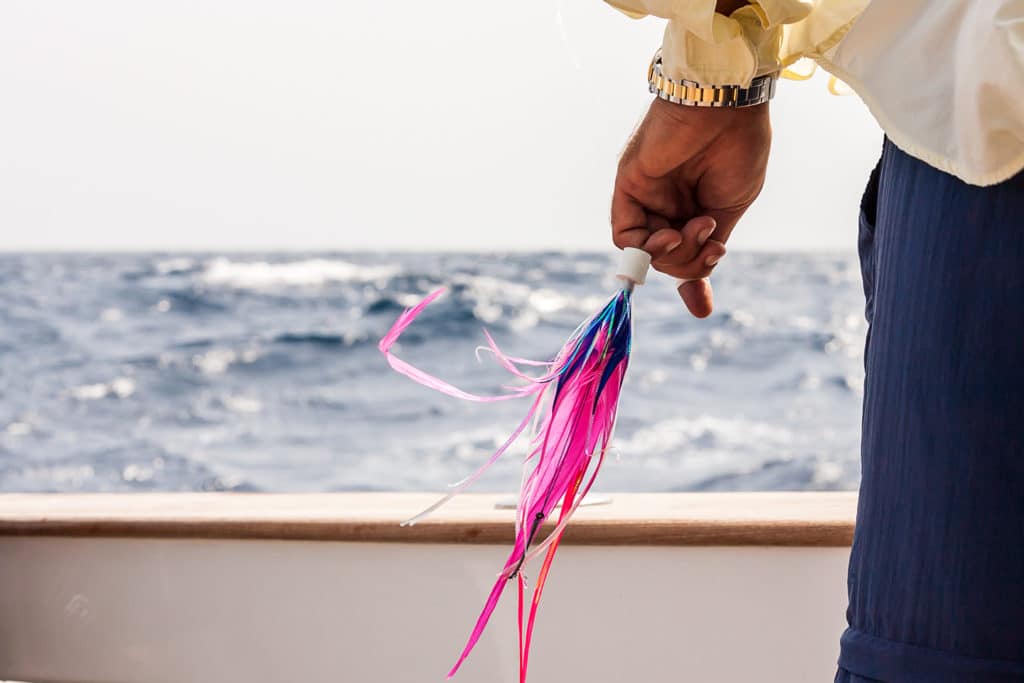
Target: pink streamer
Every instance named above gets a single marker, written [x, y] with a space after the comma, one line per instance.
[574, 406]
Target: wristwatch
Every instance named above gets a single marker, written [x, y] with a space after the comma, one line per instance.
[694, 94]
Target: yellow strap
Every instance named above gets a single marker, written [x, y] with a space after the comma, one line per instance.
[791, 75]
[803, 74]
[837, 87]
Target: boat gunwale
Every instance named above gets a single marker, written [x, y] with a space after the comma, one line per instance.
[787, 519]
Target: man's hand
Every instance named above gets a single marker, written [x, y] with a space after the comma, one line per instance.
[685, 179]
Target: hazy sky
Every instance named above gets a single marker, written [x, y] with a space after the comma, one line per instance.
[217, 124]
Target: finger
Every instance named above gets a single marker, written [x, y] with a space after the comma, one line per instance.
[629, 220]
[701, 266]
[698, 297]
[657, 222]
[694, 235]
[635, 200]
[662, 242]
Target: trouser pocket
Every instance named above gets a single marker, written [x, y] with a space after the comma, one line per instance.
[866, 238]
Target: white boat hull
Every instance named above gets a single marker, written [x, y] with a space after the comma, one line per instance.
[145, 610]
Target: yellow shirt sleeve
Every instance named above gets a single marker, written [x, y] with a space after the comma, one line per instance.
[763, 37]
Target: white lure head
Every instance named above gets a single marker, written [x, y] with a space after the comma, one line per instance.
[633, 266]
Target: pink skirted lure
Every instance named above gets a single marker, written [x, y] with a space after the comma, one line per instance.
[571, 418]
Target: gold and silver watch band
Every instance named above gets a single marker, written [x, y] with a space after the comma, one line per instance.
[693, 94]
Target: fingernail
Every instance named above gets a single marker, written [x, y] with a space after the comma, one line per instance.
[704, 234]
[713, 259]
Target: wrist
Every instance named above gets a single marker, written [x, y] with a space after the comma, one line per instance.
[758, 90]
[709, 118]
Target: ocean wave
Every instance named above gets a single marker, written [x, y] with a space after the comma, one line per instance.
[191, 300]
[261, 368]
[176, 265]
[808, 473]
[216, 361]
[19, 428]
[213, 361]
[386, 305]
[138, 467]
[506, 304]
[119, 387]
[260, 275]
[242, 404]
[348, 338]
[708, 453]
[704, 433]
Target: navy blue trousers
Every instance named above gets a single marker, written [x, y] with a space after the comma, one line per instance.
[936, 578]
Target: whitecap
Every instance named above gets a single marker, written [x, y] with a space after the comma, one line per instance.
[46, 476]
[741, 318]
[89, 392]
[111, 315]
[307, 273]
[827, 474]
[690, 436]
[699, 360]
[18, 428]
[853, 382]
[138, 473]
[724, 341]
[548, 301]
[120, 387]
[214, 361]
[175, 265]
[242, 404]
[487, 312]
[523, 307]
[487, 287]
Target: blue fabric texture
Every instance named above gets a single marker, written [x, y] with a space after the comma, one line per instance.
[936, 577]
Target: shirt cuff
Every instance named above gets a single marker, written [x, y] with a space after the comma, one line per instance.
[712, 49]
[738, 49]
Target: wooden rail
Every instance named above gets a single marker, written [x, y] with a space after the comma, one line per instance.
[656, 519]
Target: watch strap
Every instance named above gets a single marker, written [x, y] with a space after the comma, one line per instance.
[693, 94]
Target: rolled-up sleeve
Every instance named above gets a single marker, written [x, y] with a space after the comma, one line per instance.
[763, 37]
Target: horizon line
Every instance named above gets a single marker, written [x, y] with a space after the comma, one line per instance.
[76, 250]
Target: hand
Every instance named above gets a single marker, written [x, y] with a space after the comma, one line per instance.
[686, 177]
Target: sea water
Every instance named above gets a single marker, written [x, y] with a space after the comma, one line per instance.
[180, 372]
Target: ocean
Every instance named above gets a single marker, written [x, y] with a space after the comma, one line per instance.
[260, 372]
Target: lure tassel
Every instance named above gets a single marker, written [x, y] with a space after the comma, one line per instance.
[575, 400]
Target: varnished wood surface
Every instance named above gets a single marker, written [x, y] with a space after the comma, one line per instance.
[696, 519]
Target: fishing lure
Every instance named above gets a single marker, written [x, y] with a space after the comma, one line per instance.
[574, 402]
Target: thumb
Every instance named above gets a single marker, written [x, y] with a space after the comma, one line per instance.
[698, 297]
